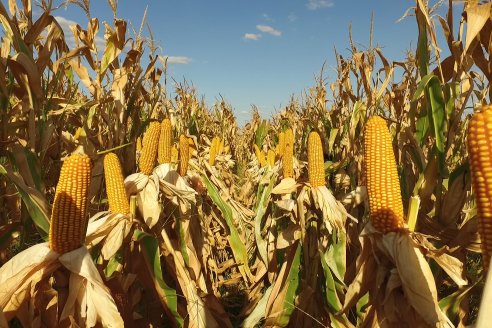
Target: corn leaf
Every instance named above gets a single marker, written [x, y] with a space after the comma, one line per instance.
[35, 203]
[281, 303]
[150, 247]
[237, 246]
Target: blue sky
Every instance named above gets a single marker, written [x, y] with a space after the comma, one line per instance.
[259, 52]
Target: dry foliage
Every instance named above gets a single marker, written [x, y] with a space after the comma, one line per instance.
[232, 241]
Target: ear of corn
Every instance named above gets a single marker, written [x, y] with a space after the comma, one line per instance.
[281, 145]
[139, 144]
[174, 154]
[68, 217]
[287, 158]
[271, 158]
[149, 148]
[115, 185]
[383, 185]
[316, 169]
[214, 149]
[480, 152]
[184, 155]
[260, 156]
[165, 142]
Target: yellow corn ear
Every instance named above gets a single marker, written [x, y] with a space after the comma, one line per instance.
[260, 155]
[288, 156]
[383, 185]
[165, 142]
[480, 152]
[271, 158]
[79, 133]
[174, 154]
[115, 185]
[68, 217]
[184, 155]
[149, 148]
[214, 149]
[281, 145]
[316, 169]
[139, 144]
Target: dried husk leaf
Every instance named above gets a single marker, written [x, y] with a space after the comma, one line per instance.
[286, 186]
[89, 288]
[416, 276]
[147, 190]
[174, 186]
[22, 272]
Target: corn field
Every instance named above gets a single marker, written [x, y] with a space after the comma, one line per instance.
[365, 202]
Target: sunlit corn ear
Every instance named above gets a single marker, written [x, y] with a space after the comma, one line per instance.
[139, 144]
[214, 149]
[174, 154]
[480, 151]
[149, 148]
[288, 157]
[68, 217]
[271, 158]
[383, 184]
[260, 156]
[165, 142]
[279, 150]
[115, 185]
[184, 155]
[316, 169]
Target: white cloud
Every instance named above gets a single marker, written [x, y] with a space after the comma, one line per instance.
[183, 60]
[267, 17]
[252, 36]
[292, 17]
[318, 4]
[269, 30]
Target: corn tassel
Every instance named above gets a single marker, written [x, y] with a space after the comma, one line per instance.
[115, 185]
[165, 142]
[149, 148]
[184, 155]
[316, 169]
[68, 217]
[288, 157]
[383, 185]
[480, 152]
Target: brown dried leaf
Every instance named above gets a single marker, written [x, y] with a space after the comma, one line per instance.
[455, 199]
